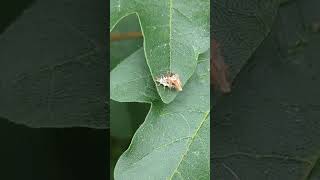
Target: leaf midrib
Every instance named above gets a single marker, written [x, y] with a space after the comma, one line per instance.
[170, 34]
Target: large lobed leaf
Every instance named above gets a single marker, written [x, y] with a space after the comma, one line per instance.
[269, 127]
[173, 142]
[53, 65]
[175, 33]
[240, 26]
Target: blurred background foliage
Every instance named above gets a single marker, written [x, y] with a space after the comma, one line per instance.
[47, 153]
[268, 127]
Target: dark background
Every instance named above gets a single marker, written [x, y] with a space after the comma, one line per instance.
[48, 153]
[52, 154]
[268, 127]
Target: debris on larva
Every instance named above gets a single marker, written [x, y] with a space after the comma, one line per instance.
[170, 80]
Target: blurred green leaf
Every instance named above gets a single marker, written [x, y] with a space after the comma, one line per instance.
[119, 50]
[268, 128]
[120, 121]
[315, 172]
[240, 27]
[53, 65]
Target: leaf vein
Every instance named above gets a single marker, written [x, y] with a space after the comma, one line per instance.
[191, 141]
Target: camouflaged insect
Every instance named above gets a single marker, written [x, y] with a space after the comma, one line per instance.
[170, 80]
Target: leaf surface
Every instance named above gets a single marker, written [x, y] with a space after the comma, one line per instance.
[53, 65]
[119, 50]
[173, 142]
[269, 127]
[240, 27]
[175, 33]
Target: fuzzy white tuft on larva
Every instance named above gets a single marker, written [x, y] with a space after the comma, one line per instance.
[170, 80]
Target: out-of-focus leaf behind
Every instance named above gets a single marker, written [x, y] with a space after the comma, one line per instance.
[53, 65]
[268, 128]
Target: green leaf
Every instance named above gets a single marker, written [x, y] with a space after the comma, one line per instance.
[131, 81]
[240, 27]
[269, 127]
[173, 142]
[121, 126]
[53, 65]
[315, 171]
[175, 33]
[119, 50]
